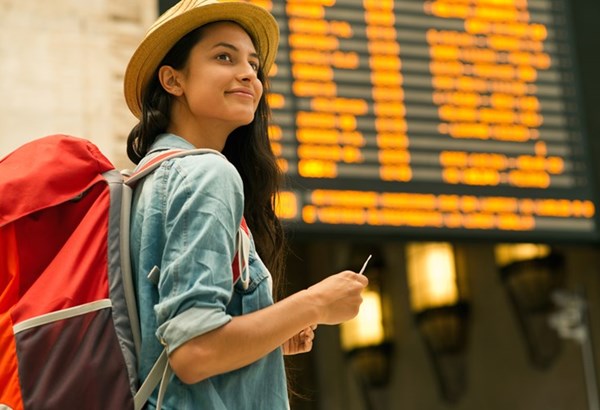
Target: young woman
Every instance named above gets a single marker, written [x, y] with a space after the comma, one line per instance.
[198, 80]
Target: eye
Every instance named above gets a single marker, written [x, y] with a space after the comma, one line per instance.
[255, 66]
[224, 57]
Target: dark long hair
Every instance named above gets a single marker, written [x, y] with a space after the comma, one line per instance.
[248, 148]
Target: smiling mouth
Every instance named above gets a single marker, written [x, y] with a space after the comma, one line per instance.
[240, 93]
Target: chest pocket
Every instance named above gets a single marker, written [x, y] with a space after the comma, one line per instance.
[258, 293]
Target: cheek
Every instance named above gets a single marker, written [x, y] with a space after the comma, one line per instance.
[258, 86]
[258, 89]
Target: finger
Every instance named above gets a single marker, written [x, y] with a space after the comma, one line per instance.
[305, 346]
[309, 334]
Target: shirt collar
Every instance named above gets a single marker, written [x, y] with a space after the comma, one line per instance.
[169, 141]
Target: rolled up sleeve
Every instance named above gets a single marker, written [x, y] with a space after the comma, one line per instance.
[203, 204]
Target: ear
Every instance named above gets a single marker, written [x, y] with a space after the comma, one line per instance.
[170, 80]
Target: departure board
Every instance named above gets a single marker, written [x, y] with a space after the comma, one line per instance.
[455, 118]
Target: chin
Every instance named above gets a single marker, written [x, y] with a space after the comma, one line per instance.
[244, 120]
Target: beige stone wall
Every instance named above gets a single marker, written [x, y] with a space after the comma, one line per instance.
[61, 69]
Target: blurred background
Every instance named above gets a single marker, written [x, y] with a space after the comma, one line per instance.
[455, 141]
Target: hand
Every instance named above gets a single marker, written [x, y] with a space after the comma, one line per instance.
[338, 297]
[300, 343]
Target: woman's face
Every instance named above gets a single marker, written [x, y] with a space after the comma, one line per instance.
[219, 84]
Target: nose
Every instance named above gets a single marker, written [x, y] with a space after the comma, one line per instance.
[247, 73]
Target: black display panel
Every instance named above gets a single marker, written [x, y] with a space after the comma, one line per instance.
[455, 118]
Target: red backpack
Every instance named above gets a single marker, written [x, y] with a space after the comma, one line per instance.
[69, 330]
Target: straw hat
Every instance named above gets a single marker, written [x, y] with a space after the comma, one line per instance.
[184, 17]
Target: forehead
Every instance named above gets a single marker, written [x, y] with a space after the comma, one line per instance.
[226, 31]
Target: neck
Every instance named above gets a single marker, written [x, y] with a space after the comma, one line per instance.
[201, 137]
[201, 133]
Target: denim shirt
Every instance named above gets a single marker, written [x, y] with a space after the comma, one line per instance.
[185, 217]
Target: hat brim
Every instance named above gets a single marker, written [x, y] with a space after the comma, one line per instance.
[258, 22]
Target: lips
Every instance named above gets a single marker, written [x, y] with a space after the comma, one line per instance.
[243, 92]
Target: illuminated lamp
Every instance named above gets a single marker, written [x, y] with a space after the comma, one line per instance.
[530, 274]
[366, 338]
[438, 302]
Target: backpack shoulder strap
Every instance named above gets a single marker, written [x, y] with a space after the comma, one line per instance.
[155, 160]
[161, 371]
[131, 178]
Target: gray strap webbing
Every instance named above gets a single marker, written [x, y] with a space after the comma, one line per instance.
[166, 377]
[154, 275]
[126, 272]
[161, 371]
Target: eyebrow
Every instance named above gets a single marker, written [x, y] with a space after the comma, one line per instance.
[234, 48]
